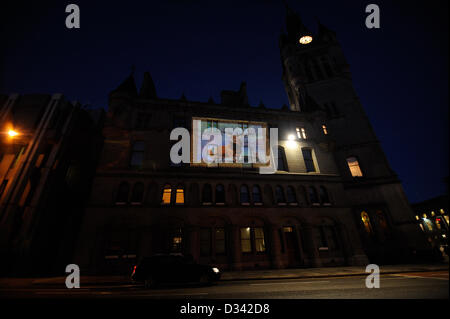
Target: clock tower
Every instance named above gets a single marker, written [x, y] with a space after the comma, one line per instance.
[314, 67]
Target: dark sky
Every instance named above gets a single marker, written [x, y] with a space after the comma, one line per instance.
[400, 71]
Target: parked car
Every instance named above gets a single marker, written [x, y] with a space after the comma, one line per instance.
[172, 268]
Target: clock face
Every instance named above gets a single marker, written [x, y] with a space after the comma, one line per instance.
[305, 39]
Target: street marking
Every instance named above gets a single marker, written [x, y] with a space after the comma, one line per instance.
[185, 294]
[289, 283]
[421, 277]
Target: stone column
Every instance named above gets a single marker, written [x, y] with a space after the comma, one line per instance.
[193, 242]
[275, 247]
[313, 252]
[236, 248]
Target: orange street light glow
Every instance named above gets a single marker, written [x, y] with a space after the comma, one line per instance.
[12, 133]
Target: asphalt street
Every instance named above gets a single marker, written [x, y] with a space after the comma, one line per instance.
[423, 285]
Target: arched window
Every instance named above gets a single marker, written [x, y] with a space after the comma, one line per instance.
[179, 197]
[256, 192]
[138, 193]
[354, 167]
[244, 198]
[279, 193]
[167, 195]
[122, 193]
[366, 222]
[313, 198]
[324, 198]
[220, 194]
[207, 194]
[291, 198]
[381, 219]
[282, 163]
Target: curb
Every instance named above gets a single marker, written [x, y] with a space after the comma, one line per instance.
[121, 283]
[329, 276]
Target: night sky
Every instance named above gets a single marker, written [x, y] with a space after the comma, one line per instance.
[199, 48]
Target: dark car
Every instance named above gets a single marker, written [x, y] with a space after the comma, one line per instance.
[169, 268]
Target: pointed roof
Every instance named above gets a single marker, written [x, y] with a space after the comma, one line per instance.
[324, 32]
[127, 87]
[148, 90]
[294, 24]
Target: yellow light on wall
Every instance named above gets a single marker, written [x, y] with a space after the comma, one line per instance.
[291, 141]
[305, 39]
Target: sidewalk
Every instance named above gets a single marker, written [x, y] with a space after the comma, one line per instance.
[233, 275]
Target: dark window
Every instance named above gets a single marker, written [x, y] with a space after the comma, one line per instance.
[309, 162]
[280, 195]
[291, 198]
[207, 194]
[323, 195]
[220, 194]
[122, 193]
[137, 154]
[138, 193]
[313, 195]
[282, 163]
[256, 194]
[245, 199]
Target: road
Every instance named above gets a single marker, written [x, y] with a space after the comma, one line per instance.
[423, 285]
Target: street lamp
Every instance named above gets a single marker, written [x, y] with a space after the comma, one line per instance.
[12, 133]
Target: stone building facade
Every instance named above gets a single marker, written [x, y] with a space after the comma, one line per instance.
[334, 199]
[47, 160]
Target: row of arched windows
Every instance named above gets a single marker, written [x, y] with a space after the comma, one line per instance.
[247, 196]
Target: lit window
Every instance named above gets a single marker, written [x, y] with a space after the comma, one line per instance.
[287, 229]
[324, 128]
[179, 199]
[303, 133]
[366, 222]
[353, 165]
[260, 245]
[167, 194]
[246, 246]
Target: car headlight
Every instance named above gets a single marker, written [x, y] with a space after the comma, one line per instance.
[216, 270]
